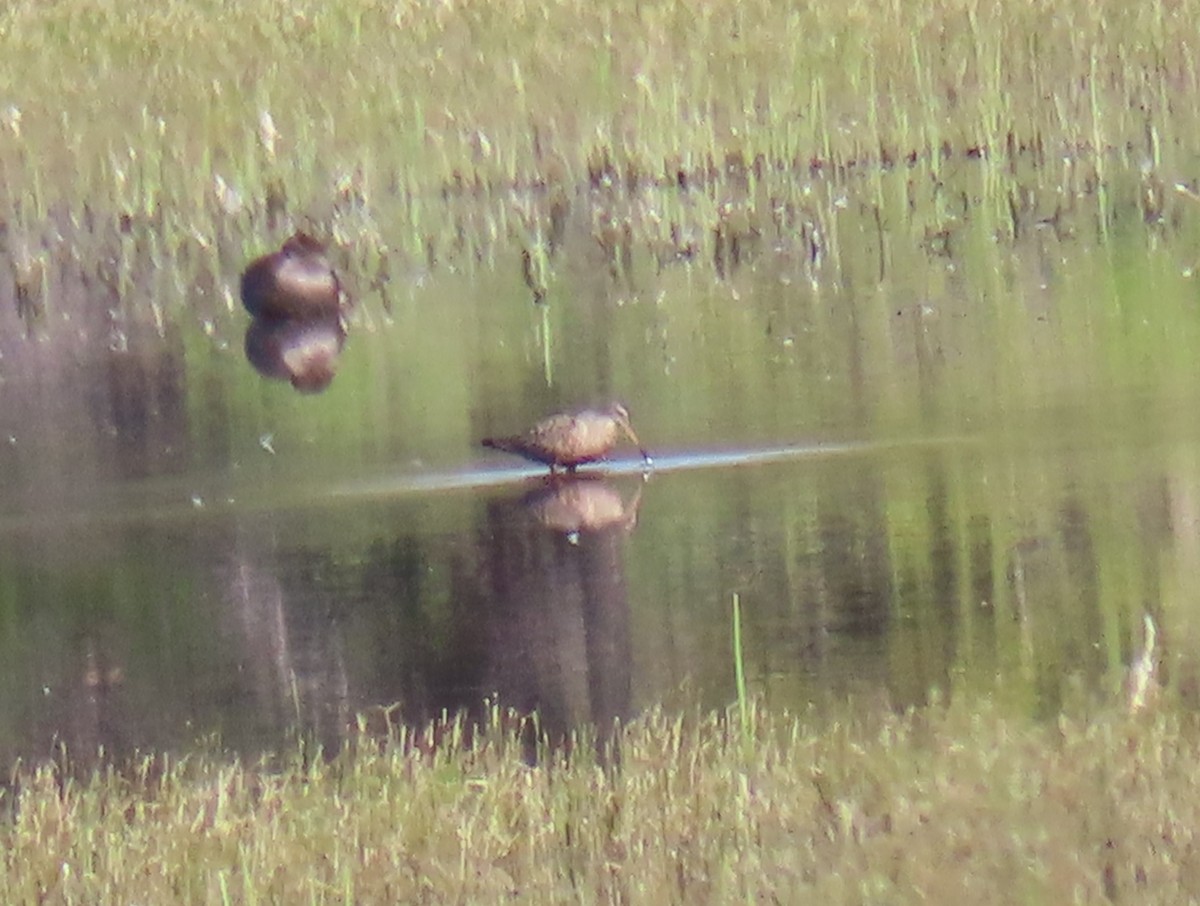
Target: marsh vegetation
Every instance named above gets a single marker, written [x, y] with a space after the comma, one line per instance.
[420, 137]
[909, 808]
[951, 244]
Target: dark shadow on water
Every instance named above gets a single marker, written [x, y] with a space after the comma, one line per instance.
[541, 619]
[558, 603]
[530, 609]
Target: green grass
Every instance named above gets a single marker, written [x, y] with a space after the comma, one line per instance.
[177, 140]
[931, 806]
[413, 132]
[739, 670]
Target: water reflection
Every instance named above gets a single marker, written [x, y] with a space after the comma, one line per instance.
[303, 353]
[537, 615]
[1000, 514]
[570, 596]
[558, 602]
[577, 504]
[284, 639]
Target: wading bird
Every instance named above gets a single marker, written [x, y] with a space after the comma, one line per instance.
[295, 282]
[571, 439]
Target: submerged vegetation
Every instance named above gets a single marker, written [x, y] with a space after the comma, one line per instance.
[922, 807]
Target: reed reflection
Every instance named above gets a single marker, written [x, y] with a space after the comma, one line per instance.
[558, 600]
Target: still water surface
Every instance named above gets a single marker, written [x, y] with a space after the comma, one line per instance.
[976, 474]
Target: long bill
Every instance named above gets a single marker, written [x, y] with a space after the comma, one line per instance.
[628, 429]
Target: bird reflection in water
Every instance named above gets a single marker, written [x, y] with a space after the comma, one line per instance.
[558, 605]
[297, 303]
[581, 504]
[304, 353]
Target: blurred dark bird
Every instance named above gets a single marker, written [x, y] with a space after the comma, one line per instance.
[295, 282]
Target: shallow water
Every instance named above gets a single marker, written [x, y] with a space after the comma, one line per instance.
[975, 473]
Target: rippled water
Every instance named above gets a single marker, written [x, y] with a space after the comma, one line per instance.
[975, 473]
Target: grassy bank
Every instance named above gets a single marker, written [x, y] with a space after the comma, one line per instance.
[426, 132]
[935, 806]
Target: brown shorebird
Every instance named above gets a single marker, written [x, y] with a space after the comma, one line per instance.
[571, 439]
[295, 282]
